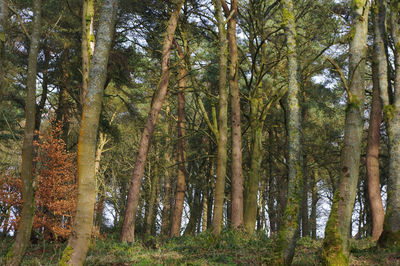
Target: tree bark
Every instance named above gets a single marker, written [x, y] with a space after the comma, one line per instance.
[289, 231]
[222, 122]
[22, 238]
[304, 199]
[337, 231]
[165, 226]
[237, 171]
[3, 18]
[87, 44]
[391, 227]
[314, 201]
[128, 228]
[78, 244]
[380, 82]
[152, 201]
[181, 149]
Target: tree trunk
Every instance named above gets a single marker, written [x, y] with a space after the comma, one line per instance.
[304, 199]
[380, 82]
[87, 45]
[128, 228]
[237, 171]
[78, 244]
[289, 231]
[165, 226]
[314, 201]
[22, 238]
[181, 149]
[391, 227]
[3, 19]
[152, 201]
[222, 122]
[337, 231]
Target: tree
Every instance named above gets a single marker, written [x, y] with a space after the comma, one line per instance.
[289, 231]
[78, 244]
[3, 17]
[391, 227]
[380, 83]
[222, 120]
[128, 228]
[337, 231]
[21, 242]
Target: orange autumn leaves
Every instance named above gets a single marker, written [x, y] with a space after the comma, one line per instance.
[55, 188]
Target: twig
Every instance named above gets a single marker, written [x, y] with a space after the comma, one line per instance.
[339, 70]
[20, 21]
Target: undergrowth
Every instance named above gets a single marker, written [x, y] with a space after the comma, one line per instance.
[231, 248]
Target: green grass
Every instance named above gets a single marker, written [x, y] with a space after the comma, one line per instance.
[231, 248]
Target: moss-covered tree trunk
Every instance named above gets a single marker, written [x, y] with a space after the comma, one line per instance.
[391, 227]
[181, 148]
[337, 231]
[128, 228]
[87, 44]
[22, 238]
[78, 244]
[3, 19]
[222, 121]
[289, 231]
[380, 82]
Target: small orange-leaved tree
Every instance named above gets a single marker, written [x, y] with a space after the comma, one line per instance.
[10, 201]
[55, 197]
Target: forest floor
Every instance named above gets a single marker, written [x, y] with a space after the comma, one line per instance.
[231, 248]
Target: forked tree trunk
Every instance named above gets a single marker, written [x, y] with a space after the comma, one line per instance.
[22, 238]
[337, 230]
[181, 149]
[78, 244]
[222, 122]
[380, 82]
[289, 231]
[391, 228]
[128, 228]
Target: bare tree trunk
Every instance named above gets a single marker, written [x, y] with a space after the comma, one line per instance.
[128, 228]
[391, 227]
[289, 231]
[222, 122]
[337, 230]
[380, 82]
[237, 171]
[304, 200]
[152, 200]
[78, 244]
[22, 238]
[181, 149]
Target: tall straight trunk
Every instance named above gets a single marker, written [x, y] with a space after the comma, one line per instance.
[87, 44]
[314, 201]
[391, 227]
[3, 18]
[165, 224]
[22, 238]
[380, 82]
[181, 149]
[337, 230]
[222, 121]
[151, 210]
[289, 231]
[237, 171]
[128, 228]
[304, 200]
[195, 212]
[78, 244]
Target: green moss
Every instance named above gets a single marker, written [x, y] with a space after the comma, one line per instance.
[353, 102]
[9, 253]
[358, 3]
[66, 256]
[287, 16]
[2, 37]
[389, 112]
[332, 250]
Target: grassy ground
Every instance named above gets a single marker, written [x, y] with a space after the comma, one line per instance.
[232, 248]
